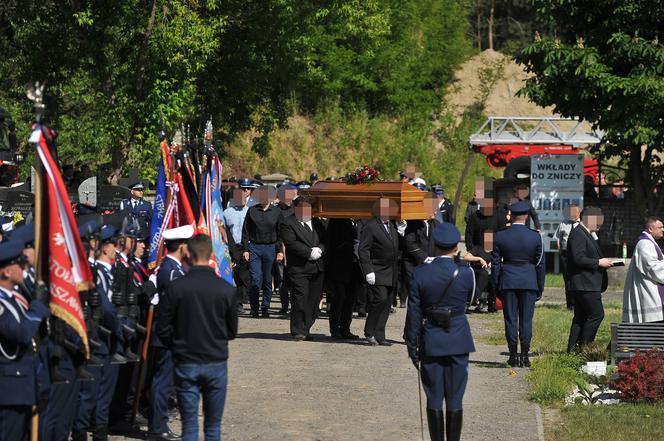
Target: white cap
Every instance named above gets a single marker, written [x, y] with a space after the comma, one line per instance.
[419, 181]
[9, 226]
[180, 233]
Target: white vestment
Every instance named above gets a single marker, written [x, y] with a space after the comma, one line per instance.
[641, 300]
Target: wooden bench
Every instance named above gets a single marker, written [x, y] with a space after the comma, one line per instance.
[626, 338]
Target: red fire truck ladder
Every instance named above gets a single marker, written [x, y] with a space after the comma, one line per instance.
[503, 138]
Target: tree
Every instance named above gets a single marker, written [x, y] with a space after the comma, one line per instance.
[606, 65]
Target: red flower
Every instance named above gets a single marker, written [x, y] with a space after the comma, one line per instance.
[363, 174]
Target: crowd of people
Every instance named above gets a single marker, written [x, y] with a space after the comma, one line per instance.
[345, 268]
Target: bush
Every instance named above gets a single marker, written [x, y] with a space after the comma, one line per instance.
[641, 378]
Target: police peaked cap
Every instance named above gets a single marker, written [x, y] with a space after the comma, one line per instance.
[519, 208]
[420, 186]
[446, 236]
[108, 233]
[137, 185]
[303, 184]
[11, 252]
[179, 234]
[245, 183]
[88, 229]
[438, 189]
[24, 234]
[288, 186]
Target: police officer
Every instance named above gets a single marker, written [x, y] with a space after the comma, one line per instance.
[437, 333]
[95, 396]
[518, 274]
[175, 241]
[444, 205]
[138, 208]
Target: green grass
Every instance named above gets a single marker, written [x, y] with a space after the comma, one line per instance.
[553, 280]
[626, 422]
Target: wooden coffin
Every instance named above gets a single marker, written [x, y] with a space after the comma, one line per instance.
[336, 199]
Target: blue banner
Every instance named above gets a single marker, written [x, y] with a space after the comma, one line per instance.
[158, 213]
[215, 219]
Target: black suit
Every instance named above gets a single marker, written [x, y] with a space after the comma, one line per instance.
[341, 274]
[306, 275]
[378, 253]
[587, 281]
[417, 246]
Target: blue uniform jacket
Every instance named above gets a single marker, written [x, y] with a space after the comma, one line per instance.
[517, 261]
[142, 212]
[168, 271]
[109, 318]
[427, 286]
[18, 381]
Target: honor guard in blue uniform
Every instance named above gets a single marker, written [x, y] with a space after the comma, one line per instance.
[517, 269]
[175, 241]
[437, 333]
[95, 396]
[137, 207]
[20, 321]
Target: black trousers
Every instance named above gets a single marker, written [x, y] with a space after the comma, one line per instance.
[588, 315]
[15, 423]
[305, 295]
[241, 277]
[361, 296]
[483, 284]
[569, 295]
[378, 310]
[281, 282]
[407, 270]
[341, 298]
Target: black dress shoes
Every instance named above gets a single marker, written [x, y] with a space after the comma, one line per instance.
[525, 361]
[513, 361]
[371, 341]
[384, 343]
[299, 337]
[166, 436]
[349, 336]
[265, 313]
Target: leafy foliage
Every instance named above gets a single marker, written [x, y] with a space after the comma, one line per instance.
[114, 68]
[641, 377]
[606, 65]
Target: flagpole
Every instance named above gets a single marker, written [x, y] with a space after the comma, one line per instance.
[35, 94]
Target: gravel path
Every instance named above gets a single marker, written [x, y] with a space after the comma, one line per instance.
[325, 390]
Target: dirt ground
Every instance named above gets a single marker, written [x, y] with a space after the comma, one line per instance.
[326, 390]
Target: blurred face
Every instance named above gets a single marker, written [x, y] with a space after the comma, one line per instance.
[593, 222]
[386, 209]
[571, 212]
[488, 241]
[287, 195]
[656, 230]
[522, 192]
[265, 195]
[431, 205]
[239, 197]
[486, 206]
[137, 193]
[303, 212]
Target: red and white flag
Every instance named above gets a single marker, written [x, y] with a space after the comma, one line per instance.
[66, 270]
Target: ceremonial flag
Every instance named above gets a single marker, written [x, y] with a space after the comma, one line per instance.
[162, 201]
[214, 213]
[62, 263]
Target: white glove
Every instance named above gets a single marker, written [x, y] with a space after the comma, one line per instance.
[371, 278]
[155, 299]
[401, 227]
[316, 253]
[429, 259]
[153, 278]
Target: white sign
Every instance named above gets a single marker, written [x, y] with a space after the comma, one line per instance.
[556, 181]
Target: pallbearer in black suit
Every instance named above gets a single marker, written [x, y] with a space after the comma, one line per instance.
[437, 333]
[378, 252]
[586, 271]
[517, 269]
[20, 320]
[341, 275]
[304, 239]
[418, 242]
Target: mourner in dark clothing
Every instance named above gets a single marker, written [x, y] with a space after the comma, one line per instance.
[342, 276]
[586, 269]
[517, 269]
[286, 194]
[378, 252]
[437, 333]
[304, 239]
[198, 318]
[480, 226]
[262, 246]
[418, 244]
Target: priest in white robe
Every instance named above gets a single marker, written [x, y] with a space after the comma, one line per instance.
[644, 284]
